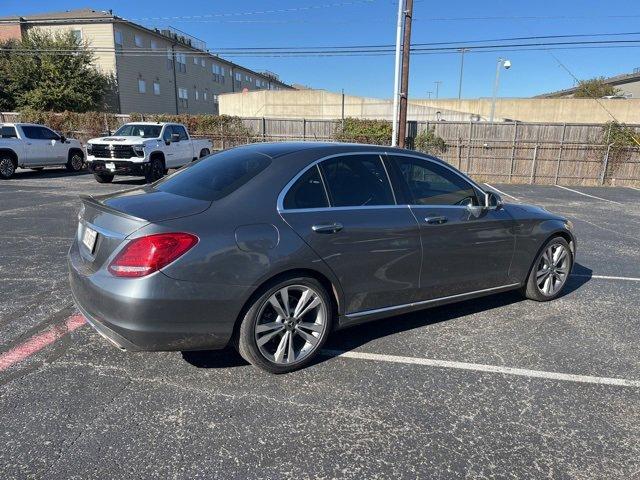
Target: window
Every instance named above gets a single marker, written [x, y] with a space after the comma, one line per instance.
[202, 63]
[154, 45]
[183, 93]
[118, 38]
[357, 180]
[246, 78]
[216, 176]
[156, 88]
[169, 59]
[137, 39]
[142, 86]
[36, 132]
[179, 129]
[8, 132]
[205, 95]
[139, 130]
[197, 94]
[195, 60]
[432, 184]
[215, 98]
[238, 77]
[166, 135]
[77, 34]
[181, 60]
[218, 73]
[307, 192]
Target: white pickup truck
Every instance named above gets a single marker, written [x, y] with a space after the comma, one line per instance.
[29, 145]
[143, 148]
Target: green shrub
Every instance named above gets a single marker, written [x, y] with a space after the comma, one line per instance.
[428, 142]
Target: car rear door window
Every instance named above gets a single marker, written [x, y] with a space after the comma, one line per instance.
[32, 132]
[307, 192]
[8, 132]
[431, 184]
[357, 181]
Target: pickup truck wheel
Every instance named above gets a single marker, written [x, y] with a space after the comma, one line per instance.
[156, 170]
[102, 178]
[7, 166]
[75, 162]
[204, 152]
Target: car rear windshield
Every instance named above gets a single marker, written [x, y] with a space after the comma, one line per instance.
[215, 176]
[144, 131]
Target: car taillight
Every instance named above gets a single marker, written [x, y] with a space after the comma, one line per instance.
[146, 255]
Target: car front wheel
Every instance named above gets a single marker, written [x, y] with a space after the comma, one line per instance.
[286, 326]
[103, 178]
[7, 167]
[75, 162]
[550, 271]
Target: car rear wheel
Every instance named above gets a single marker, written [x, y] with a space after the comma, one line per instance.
[204, 152]
[550, 271]
[286, 326]
[7, 167]
[103, 178]
[156, 170]
[75, 162]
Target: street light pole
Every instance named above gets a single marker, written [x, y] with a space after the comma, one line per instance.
[437, 82]
[501, 63]
[396, 75]
[404, 82]
[462, 52]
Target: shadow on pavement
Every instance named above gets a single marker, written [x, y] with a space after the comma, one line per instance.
[354, 337]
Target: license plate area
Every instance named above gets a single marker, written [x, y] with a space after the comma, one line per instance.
[89, 238]
[110, 166]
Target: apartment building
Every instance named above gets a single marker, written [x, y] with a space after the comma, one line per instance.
[155, 70]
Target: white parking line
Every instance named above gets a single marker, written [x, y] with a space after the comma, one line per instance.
[478, 367]
[607, 277]
[633, 188]
[587, 195]
[501, 192]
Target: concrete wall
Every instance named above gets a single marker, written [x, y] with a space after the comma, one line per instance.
[560, 110]
[10, 31]
[323, 105]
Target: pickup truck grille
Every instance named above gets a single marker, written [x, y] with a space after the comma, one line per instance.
[100, 150]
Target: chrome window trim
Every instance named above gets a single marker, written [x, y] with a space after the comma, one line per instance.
[280, 202]
[365, 313]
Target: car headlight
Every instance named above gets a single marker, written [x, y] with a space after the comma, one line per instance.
[568, 224]
[139, 150]
[89, 148]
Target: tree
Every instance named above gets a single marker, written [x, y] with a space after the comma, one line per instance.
[595, 88]
[50, 71]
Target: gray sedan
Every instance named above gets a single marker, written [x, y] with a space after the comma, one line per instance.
[270, 247]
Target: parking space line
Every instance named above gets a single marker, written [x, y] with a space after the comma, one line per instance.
[36, 343]
[501, 192]
[607, 277]
[587, 195]
[633, 188]
[479, 367]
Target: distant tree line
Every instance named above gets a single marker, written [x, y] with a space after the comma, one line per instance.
[50, 72]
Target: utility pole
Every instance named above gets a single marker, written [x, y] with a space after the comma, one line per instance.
[404, 84]
[462, 52]
[437, 82]
[396, 75]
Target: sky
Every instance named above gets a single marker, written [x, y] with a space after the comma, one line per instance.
[253, 23]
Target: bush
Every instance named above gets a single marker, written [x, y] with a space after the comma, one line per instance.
[377, 132]
[428, 142]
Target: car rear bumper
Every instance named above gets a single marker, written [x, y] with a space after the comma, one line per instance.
[122, 167]
[155, 312]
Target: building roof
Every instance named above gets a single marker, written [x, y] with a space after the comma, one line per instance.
[615, 80]
[89, 14]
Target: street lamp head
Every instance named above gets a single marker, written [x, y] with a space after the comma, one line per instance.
[506, 64]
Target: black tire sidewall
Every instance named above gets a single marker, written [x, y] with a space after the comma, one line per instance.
[103, 178]
[245, 338]
[2, 176]
[150, 177]
[532, 292]
[70, 162]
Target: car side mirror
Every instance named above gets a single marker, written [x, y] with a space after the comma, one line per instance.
[63, 139]
[492, 201]
[175, 137]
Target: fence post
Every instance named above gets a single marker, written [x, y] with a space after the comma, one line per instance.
[605, 163]
[304, 128]
[533, 164]
[513, 150]
[469, 146]
[264, 128]
[459, 152]
[564, 131]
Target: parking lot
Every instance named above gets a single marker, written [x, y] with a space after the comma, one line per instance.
[498, 387]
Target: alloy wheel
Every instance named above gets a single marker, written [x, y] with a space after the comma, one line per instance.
[553, 269]
[290, 324]
[76, 162]
[6, 167]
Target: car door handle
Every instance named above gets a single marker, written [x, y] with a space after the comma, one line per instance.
[436, 220]
[327, 227]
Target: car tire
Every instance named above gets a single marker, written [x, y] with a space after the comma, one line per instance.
[550, 271]
[155, 171]
[75, 162]
[204, 152]
[103, 178]
[7, 166]
[260, 339]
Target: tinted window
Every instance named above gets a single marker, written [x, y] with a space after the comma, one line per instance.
[8, 132]
[358, 180]
[179, 129]
[166, 135]
[433, 184]
[144, 131]
[215, 176]
[32, 132]
[47, 134]
[307, 192]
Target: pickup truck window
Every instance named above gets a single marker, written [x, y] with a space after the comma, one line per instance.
[168, 131]
[8, 132]
[179, 129]
[39, 133]
[215, 176]
[144, 131]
